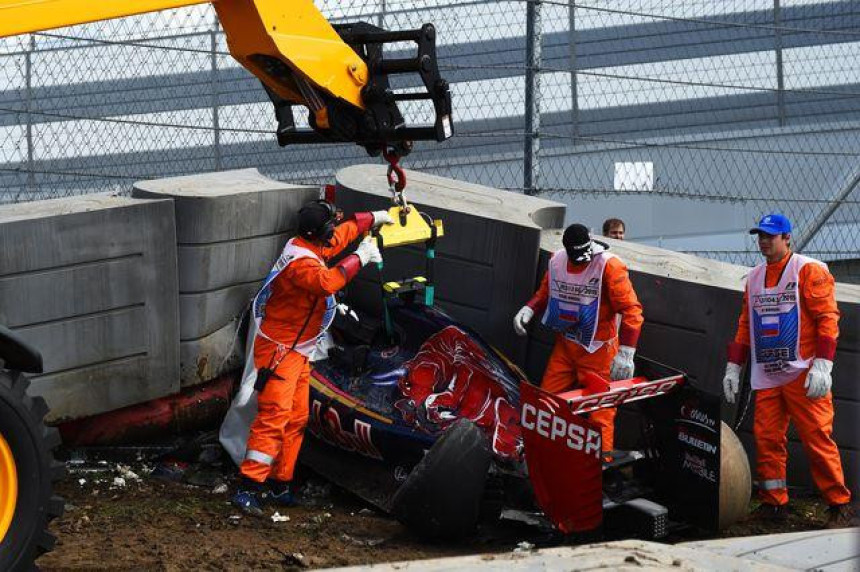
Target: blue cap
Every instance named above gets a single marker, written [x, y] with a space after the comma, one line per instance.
[772, 224]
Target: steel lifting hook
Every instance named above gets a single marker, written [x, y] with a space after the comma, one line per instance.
[396, 174]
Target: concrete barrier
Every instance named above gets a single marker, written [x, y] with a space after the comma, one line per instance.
[230, 227]
[487, 261]
[691, 308]
[91, 282]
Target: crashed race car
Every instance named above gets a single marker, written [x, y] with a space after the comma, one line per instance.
[419, 416]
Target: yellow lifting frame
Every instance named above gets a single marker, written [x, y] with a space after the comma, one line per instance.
[415, 230]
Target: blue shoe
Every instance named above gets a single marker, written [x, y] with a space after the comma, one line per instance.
[248, 502]
[280, 494]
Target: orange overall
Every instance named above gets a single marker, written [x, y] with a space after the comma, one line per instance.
[298, 296]
[569, 360]
[774, 407]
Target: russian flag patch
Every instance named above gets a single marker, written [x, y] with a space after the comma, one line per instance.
[568, 313]
[770, 326]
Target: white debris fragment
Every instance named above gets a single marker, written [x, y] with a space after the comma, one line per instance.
[220, 489]
[118, 482]
[126, 473]
[524, 546]
[82, 482]
[278, 518]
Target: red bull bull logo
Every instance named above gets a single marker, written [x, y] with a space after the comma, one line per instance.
[327, 426]
[451, 377]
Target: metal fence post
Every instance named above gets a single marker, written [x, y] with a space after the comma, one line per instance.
[381, 23]
[216, 127]
[780, 79]
[531, 151]
[28, 105]
[574, 94]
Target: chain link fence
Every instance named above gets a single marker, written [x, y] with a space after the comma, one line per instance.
[689, 120]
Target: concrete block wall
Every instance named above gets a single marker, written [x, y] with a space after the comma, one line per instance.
[691, 307]
[91, 281]
[485, 264]
[230, 228]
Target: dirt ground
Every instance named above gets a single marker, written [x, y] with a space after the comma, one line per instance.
[124, 517]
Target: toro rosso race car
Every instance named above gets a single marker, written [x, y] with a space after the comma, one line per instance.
[422, 418]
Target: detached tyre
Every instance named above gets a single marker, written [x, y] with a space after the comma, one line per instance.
[27, 471]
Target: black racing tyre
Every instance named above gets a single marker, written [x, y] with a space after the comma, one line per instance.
[27, 473]
[441, 498]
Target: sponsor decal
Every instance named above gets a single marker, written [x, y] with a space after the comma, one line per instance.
[327, 426]
[694, 441]
[554, 428]
[589, 290]
[779, 364]
[760, 300]
[775, 354]
[697, 417]
[618, 396]
[699, 467]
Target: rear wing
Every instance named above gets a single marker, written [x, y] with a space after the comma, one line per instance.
[679, 436]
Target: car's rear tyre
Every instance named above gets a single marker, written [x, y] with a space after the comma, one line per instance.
[27, 472]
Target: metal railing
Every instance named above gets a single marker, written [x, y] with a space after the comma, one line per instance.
[730, 110]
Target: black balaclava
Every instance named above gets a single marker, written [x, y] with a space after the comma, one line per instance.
[317, 221]
[577, 244]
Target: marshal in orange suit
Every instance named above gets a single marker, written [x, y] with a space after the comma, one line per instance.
[583, 290]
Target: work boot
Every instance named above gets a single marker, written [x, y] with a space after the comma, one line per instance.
[770, 512]
[280, 493]
[247, 497]
[841, 516]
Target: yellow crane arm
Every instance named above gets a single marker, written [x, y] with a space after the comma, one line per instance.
[338, 72]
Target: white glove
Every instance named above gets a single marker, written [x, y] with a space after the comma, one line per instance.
[380, 218]
[622, 365]
[819, 380]
[522, 319]
[732, 381]
[344, 310]
[368, 251]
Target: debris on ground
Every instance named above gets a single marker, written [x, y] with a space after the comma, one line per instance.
[126, 473]
[169, 523]
[295, 559]
[362, 541]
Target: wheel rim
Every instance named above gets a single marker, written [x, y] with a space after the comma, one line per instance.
[8, 487]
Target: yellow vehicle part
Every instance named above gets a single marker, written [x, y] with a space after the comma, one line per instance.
[8, 487]
[266, 36]
[415, 230]
[24, 16]
[297, 34]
